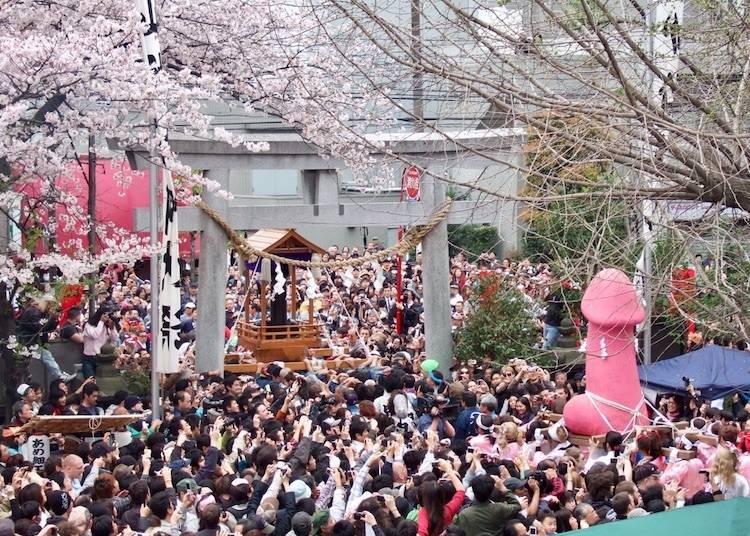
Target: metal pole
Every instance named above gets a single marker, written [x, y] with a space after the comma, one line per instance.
[155, 316]
[92, 220]
[647, 207]
[152, 56]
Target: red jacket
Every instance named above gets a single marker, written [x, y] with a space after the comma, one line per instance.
[449, 512]
[743, 441]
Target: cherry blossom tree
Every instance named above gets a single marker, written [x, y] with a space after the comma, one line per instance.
[74, 68]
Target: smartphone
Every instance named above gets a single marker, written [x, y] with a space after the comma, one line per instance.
[532, 531]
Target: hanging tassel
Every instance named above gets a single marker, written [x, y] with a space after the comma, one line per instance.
[348, 277]
[265, 270]
[280, 284]
[315, 270]
[379, 277]
[312, 287]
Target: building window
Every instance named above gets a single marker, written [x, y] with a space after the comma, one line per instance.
[275, 182]
[264, 182]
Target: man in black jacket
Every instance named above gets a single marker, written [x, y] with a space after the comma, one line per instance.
[34, 326]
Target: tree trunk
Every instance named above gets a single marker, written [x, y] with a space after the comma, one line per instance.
[11, 372]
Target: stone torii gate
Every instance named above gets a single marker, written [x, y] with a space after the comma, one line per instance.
[322, 205]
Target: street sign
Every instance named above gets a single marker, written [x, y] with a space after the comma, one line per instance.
[410, 183]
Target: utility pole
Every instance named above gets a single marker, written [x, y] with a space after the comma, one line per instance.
[91, 205]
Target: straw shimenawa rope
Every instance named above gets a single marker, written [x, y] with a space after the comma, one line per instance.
[410, 240]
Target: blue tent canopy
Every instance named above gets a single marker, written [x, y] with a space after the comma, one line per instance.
[716, 371]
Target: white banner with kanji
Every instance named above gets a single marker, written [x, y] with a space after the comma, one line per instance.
[169, 287]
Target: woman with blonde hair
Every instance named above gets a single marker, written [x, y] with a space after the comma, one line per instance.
[725, 478]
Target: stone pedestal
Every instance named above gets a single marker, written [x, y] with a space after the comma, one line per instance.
[566, 349]
[108, 378]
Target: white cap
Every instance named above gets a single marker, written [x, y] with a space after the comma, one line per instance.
[22, 389]
[190, 305]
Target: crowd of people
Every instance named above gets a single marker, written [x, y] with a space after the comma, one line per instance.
[393, 447]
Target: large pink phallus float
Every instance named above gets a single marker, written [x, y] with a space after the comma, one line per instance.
[613, 399]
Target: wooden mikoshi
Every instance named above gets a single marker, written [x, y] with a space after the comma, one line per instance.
[293, 340]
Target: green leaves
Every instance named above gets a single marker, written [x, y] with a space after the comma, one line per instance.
[472, 240]
[502, 326]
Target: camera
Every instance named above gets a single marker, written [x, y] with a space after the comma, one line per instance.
[358, 516]
[687, 381]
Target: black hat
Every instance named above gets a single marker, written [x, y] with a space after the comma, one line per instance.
[100, 448]
[131, 401]
[127, 460]
[642, 472]
[59, 502]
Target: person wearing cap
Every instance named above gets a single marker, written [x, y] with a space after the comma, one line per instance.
[322, 523]
[33, 329]
[59, 504]
[301, 525]
[185, 515]
[31, 394]
[133, 404]
[239, 494]
[187, 322]
[191, 296]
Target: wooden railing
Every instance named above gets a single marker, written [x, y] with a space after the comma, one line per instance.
[267, 333]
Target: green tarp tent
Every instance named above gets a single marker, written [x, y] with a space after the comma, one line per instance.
[718, 519]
